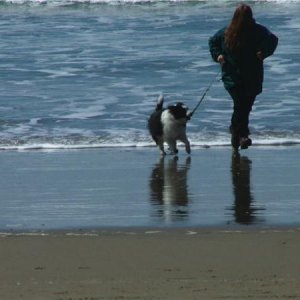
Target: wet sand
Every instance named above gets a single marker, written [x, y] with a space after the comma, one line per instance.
[105, 188]
[147, 264]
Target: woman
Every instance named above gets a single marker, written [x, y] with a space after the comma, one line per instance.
[241, 48]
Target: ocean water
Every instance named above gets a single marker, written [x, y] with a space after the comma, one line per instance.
[87, 73]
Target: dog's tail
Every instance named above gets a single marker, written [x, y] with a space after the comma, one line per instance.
[160, 103]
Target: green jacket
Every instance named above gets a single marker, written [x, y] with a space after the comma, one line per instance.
[244, 68]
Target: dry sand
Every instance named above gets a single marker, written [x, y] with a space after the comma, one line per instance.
[145, 264]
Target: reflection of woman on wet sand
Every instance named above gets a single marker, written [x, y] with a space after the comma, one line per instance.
[168, 188]
[244, 212]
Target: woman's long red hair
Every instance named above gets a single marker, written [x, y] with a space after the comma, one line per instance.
[236, 33]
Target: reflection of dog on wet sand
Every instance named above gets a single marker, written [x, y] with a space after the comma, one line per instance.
[169, 125]
[168, 187]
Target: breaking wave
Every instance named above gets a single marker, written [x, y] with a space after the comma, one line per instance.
[120, 2]
[138, 141]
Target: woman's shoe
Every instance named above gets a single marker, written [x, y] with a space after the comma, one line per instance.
[245, 142]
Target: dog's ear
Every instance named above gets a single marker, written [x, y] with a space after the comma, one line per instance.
[181, 104]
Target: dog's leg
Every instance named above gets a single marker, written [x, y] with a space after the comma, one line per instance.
[172, 146]
[186, 142]
[162, 150]
[160, 144]
[188, 147]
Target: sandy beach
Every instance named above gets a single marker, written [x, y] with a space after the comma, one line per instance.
[124, 224]
[147, 264]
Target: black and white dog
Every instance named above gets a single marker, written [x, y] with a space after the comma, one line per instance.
[169, 125]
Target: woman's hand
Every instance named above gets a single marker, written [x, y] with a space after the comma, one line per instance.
[221, 59]
[259, 55]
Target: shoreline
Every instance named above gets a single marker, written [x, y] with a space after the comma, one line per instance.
[273, 145]
[140, 231]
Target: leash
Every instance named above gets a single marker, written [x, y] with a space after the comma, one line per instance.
[204, 94]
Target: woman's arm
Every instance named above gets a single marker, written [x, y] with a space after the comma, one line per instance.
[268, 44]
[216, 46]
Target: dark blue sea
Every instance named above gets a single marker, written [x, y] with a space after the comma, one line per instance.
[87, 73]
[82, 74]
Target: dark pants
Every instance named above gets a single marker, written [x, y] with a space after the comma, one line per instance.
[242, 106]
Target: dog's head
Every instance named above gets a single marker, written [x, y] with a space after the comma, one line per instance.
[180, 112]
